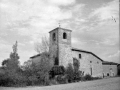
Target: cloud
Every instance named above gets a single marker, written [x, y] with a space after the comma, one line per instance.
[30, 17]
[5, 49]
[28, 20]
[99, 33]
[114, 57]
[107, 11]
[62, 2]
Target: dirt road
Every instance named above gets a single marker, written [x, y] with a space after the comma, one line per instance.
[102, 84]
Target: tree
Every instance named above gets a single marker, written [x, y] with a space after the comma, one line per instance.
[44, 67]
[5, 62]
[42, 46]
[13, 73]
[77, 73]
[76, 64]
[12, 62]
[39, 72]
[70, 72]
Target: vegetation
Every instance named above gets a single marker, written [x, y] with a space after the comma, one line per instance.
[87, 77]
[11, 74]
[41, 73]
[30, 74]
[73, 73]
[42, 46]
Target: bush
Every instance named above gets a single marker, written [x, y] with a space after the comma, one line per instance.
[12, 79]
[73, 74]
[61, 79]
[56, 70]
[87, 77]
[77, 76]
[70, 73]
[53, 82]
[95, 78]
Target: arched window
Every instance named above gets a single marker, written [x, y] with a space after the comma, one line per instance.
[54, 37]
[64, 35]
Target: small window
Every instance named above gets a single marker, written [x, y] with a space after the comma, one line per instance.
[90, 61]
[64, 35]
[80, 56]
[110, 68]
[54, 37]
[97, 62]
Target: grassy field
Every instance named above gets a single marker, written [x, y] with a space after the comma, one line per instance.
[102, 84]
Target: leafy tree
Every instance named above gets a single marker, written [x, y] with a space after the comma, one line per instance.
[38, 73]
[70, 72]
[77, 73]
[12, 62]
[44, 67]
[42, 46]
[12, 72]
[76, 64]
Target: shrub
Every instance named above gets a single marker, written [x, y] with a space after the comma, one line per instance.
[61, 79]
[95, 78]
[77, 76]
[87, 77]
[70, 73]
[53, 82]
[12, 79]
[56, 70]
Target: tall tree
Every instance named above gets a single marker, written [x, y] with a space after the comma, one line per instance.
[42, 46]
[12, 62]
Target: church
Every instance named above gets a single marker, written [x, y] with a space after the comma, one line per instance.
[60, 48]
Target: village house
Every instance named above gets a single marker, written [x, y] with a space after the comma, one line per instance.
[60, 48]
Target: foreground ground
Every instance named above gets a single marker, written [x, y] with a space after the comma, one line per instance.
[102, 84]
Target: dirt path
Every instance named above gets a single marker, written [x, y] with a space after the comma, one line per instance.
[103, 84]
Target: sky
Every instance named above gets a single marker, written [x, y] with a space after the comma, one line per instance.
[91, 21]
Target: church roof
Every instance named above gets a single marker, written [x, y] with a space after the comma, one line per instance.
[80, 50]
[109, 63]
[103, 62]
[35, 56]
[60, 28]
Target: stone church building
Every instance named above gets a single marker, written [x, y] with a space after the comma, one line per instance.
[60, 48]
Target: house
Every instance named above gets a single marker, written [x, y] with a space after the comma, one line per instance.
[63, 53]
[109, 68]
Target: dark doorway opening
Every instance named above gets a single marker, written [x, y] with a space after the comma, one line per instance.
[91, 70]
[56, 61]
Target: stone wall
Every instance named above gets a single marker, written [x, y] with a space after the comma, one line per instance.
[109, 70]
[61, 47]
[53, 48]
[65, 54]
[89, 63]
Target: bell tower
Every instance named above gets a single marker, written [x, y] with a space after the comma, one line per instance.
[60, 46]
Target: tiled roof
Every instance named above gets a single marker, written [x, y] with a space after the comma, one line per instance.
[35, 56]
[109, 63]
